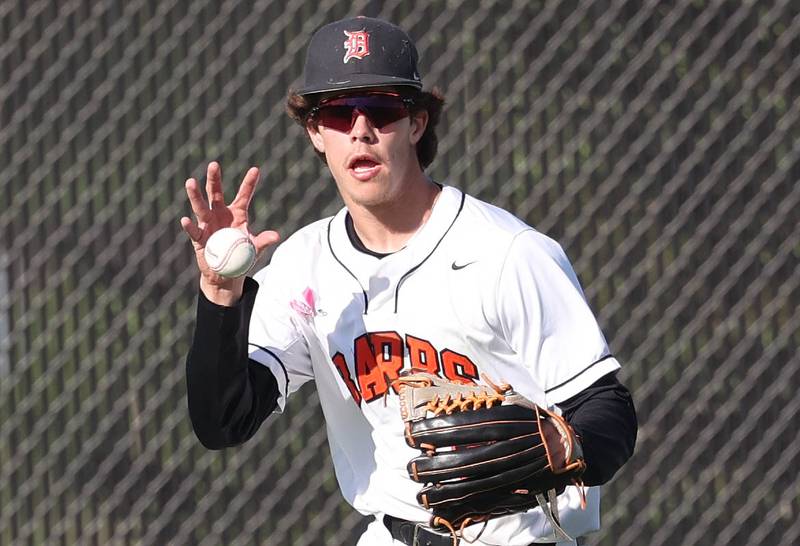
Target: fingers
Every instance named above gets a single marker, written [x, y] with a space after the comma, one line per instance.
[192, 230]
[199, 206]
[216, 198]
[213, 214]
[246, 190]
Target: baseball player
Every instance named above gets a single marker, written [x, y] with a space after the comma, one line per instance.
[411, 274]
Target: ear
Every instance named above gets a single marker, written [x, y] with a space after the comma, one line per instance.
[419, 122]
[316, 138]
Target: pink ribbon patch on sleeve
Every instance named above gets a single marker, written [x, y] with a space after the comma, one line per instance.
[305, 307]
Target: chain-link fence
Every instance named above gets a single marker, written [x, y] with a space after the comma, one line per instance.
[659, 142]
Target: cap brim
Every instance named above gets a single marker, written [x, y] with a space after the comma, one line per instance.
[359, 81]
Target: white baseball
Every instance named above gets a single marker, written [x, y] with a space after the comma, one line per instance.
[230, 253]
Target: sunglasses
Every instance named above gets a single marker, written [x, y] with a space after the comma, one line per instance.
[340, 113]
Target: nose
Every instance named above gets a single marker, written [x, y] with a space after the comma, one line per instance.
[362, 128]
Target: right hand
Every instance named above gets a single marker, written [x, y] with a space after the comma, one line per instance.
[212, 214]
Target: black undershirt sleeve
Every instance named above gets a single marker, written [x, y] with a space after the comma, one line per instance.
[604, 418]
[229, 394]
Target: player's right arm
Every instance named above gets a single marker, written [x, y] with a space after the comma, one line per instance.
[229, 394]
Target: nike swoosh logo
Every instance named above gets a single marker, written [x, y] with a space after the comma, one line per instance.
[456, 267]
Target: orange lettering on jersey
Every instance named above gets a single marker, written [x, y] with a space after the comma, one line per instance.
[458, 368]
[379, 359]
[341, 366]
[370, 377]
[422, 355]
[389, 347]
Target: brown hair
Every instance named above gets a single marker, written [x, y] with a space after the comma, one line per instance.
[298, 108]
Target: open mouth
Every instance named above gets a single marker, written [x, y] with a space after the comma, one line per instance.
[363, 166]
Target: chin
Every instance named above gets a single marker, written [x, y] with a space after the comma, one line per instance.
[370, 194]
[370, 201]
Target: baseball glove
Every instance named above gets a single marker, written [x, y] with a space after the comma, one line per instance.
[487, 451]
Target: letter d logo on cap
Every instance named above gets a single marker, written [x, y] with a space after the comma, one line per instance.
[356, 46]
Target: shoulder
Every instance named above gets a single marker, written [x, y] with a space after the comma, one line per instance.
[307, 240]
[499, 232]
[300, 249]
[313, 233]
[481, 215]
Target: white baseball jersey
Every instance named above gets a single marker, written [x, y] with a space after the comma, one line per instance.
[475, 291]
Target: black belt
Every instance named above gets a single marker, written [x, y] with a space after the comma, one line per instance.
[414, 534]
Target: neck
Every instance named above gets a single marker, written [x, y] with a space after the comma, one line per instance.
[387, 227]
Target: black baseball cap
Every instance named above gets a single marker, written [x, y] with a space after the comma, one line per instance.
[359, 52]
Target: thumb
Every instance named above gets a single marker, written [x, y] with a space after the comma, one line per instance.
[265, 239]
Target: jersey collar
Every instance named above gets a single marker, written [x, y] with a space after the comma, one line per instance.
[380, 277]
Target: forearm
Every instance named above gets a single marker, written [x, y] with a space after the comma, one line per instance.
[229, 395]
[604, 418]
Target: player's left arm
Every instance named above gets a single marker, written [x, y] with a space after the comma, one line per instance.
[544, 316]
[604, 418]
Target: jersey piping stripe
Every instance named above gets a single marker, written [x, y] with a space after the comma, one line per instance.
[551, 389]
[335, 257]
[410, 271]
[278, 360]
